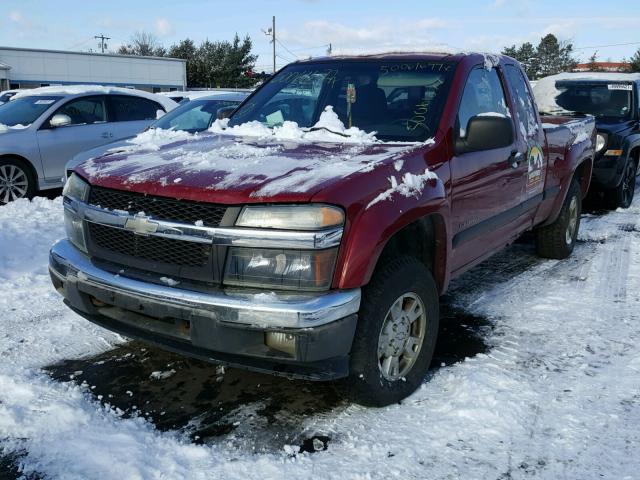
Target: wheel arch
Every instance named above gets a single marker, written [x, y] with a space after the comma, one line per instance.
[27, 163]
[424, 239]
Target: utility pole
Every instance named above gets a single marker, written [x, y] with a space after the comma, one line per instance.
[271, 32]
[103, 43]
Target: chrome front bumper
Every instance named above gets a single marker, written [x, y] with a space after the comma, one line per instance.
[232, 306]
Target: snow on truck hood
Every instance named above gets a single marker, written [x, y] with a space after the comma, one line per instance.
[245, 161]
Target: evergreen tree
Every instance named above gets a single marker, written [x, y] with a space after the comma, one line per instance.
[634, 62]
[554, 57]
[527, 56]
[187, 50]
[593, 63]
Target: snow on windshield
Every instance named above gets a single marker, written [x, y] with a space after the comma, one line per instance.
[328, 128]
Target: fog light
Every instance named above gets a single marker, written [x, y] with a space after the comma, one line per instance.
[281, 341]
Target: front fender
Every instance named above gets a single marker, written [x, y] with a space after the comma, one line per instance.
[373, 226]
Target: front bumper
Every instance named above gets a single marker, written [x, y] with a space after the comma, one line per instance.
[221, 325]
[609, 170]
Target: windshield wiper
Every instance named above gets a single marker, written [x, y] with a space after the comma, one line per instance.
[315, 129]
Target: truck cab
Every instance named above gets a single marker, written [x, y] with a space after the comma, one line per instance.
[312, 232]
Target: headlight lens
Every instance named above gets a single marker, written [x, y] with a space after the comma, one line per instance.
[601, 141]
[76, 188]
[280, 269]
[291, 217]
[75, 230]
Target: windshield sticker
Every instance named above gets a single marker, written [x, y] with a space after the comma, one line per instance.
[43, 102]
[275, 118]
[535, 161]
[619, 86]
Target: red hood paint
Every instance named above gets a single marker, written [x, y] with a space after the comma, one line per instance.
[234, 170]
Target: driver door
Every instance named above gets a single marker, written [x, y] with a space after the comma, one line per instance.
[88, 129]
[485, 186]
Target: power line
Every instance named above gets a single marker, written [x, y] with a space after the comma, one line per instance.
[605, 46]
[283, 46]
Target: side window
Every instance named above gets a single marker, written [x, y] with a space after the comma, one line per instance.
[483, 94]
[527, 118]
[85, 110]
[127, 108]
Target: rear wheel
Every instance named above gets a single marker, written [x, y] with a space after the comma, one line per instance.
[558, 239]
[622, 195]
[16, 181]
[396, 334]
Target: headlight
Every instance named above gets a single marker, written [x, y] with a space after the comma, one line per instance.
[601, 141]
[280, 269]
[74, 228]
[76, 188]
[291, 217]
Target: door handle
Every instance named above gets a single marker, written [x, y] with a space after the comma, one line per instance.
[516, 158]
[107, 135]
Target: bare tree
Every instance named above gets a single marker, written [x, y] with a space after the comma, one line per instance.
[143, 43]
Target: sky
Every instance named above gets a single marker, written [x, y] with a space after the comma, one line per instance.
[306, 27]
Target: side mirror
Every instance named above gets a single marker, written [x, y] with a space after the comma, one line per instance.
[60, 120]
[224, 112]
[486, 133]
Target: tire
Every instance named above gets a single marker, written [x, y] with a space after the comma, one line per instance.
[16, 181]
[558, 239]
[622, 195]
[402, 283]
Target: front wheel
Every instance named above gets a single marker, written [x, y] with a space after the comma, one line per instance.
[558, 239]
[16, 181]
[396, 334]
[622, 195]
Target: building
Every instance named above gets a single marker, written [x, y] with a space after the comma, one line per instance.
[31, 68]
[602, 67]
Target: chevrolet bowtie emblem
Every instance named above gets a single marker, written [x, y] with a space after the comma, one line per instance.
[141, 225]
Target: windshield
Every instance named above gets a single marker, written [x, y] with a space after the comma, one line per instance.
[612, 100]
[193, 116]
[400, 100]
[25, 110]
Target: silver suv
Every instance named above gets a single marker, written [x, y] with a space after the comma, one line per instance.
[41, 129]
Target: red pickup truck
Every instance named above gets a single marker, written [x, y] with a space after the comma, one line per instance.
[311, 233]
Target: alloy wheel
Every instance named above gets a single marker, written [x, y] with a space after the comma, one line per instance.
[573, 221]
[14, 183]
[401, 337]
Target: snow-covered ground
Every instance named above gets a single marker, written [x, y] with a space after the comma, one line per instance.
[555, 393]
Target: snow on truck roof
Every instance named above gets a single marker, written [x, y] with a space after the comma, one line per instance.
[166, 102]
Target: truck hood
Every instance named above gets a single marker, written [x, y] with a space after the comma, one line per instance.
[233, 170]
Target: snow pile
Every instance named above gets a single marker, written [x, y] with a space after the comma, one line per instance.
[328, 128]
[154, 139]
[410, 186]
[6, 128]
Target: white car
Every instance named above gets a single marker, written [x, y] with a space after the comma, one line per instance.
[42, 128]
[193, 116]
